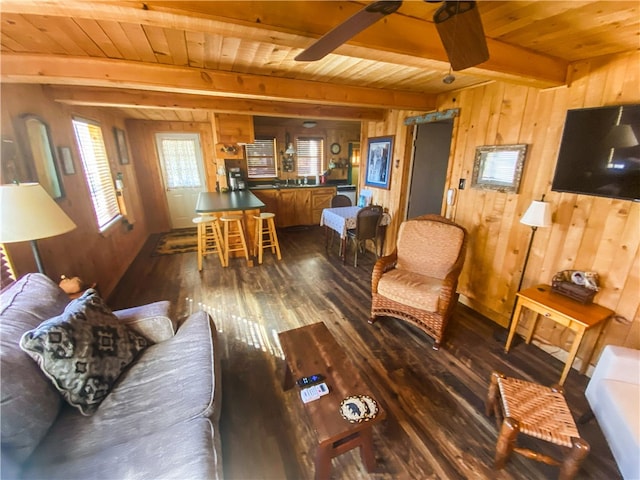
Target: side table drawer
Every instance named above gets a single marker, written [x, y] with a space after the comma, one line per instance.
[555, 316]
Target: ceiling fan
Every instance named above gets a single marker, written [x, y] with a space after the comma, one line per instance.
[458, 24]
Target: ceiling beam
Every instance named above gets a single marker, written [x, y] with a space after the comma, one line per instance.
[126, 98]
[99, 72]
[399, 39]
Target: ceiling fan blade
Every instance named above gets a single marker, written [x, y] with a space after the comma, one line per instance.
[348, 29]
[460, 29]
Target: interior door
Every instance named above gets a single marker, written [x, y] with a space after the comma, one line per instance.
[432, 142]
[182, 168]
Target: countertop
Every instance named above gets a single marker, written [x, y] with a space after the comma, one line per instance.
[228, 201]
[288, 187]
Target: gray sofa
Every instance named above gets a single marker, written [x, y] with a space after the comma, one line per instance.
[159, 421]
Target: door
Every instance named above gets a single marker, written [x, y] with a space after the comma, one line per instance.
[432, 142]
[182, 168]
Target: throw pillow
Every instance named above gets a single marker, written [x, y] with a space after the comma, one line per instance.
[84, 350]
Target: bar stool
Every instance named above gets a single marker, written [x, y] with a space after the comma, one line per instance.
[539, 412]
[209, 238]
[234, 239]
[270, 230]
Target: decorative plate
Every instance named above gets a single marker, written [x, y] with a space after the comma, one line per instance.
[358, 408]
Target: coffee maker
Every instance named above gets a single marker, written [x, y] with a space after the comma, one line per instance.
[236, 180]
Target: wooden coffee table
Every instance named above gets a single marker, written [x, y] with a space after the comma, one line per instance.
[312, 349]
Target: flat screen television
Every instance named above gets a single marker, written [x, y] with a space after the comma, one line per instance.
[600, 153]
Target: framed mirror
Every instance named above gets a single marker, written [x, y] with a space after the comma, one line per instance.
[39, 150]
[499, 167]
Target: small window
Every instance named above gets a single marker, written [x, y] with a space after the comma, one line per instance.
[261, 158]
[310, 156]
[97, 172]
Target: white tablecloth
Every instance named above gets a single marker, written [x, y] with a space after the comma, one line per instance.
[342, 219]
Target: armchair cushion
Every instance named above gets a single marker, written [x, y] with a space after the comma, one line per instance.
[409, 288]
[444, 244]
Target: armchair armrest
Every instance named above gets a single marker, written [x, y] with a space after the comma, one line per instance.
[383, 264]
[151, 320]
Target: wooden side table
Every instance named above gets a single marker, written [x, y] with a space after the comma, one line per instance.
[569, 313]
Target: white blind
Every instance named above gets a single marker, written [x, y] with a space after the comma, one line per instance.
[310, 155]
[97, 171]
[261, 158]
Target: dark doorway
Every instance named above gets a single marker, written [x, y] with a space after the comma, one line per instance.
[432, 142]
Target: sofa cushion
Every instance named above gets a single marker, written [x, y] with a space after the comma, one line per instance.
[170, 382]
[29, 401]
[412, 289]
[83, 350]
[186, 450]
[152, 321]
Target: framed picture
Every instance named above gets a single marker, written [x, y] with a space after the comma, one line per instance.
[498, 167]
[121, 143]
[379, 153]
[66, 160]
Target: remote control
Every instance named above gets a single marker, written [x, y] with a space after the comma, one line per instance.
[306, 381]
[314, 392]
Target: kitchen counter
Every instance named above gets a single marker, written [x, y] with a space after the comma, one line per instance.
[227, 202]
[287, 187]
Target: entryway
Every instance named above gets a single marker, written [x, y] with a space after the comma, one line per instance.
[180, 157]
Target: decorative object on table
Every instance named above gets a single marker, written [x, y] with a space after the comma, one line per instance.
[498, 167]
[418, 284]
[66, 160]
[576, 284]
[358, 408]
[28, 213]
[183, 240]
[121, 144]
[378, 167]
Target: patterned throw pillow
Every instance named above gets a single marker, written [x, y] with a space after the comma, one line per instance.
[84, 350]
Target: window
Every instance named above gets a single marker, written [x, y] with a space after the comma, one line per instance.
[97, 172]
[261, 158]
[310, 155]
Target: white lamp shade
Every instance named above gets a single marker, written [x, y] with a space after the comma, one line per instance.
[290, 150]
[537, 215]
[27, 212]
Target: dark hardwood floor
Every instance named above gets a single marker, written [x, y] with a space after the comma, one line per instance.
[435, 427]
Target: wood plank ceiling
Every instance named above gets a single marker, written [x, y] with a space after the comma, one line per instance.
[181, 60]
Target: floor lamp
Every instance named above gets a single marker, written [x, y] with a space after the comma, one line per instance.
[537, 215]
[28, 213]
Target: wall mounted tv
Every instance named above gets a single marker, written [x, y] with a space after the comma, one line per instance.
[600, 153]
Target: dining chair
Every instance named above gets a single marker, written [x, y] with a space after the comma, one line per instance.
[340, 201]
[367, 223]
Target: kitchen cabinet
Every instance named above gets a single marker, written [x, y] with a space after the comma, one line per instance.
[296, 206]
[320, 199]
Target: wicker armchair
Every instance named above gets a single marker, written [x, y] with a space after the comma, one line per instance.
[417, 282]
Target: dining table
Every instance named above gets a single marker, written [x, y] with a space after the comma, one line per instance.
[342, 219]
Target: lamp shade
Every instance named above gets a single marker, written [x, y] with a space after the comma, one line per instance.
[27, 212]
[621, 136]
[290, 150]
[537, 215]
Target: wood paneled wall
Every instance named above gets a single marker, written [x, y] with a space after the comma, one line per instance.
[588, 233]
[143, 146]
[101, 258]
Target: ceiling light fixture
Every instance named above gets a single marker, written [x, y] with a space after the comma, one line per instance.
[309, 124]
[449, 78]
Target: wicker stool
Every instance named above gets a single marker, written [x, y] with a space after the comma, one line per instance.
[270, 231]
[209, 239]
[234, 239]
[539, 412]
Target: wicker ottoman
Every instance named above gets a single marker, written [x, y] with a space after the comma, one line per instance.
[537, 411]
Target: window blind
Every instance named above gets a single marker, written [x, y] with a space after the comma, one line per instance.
[97, 172]
[261, 158]
[310, 155]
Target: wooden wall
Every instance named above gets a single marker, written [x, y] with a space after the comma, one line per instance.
[101, 258]
[588, 233]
